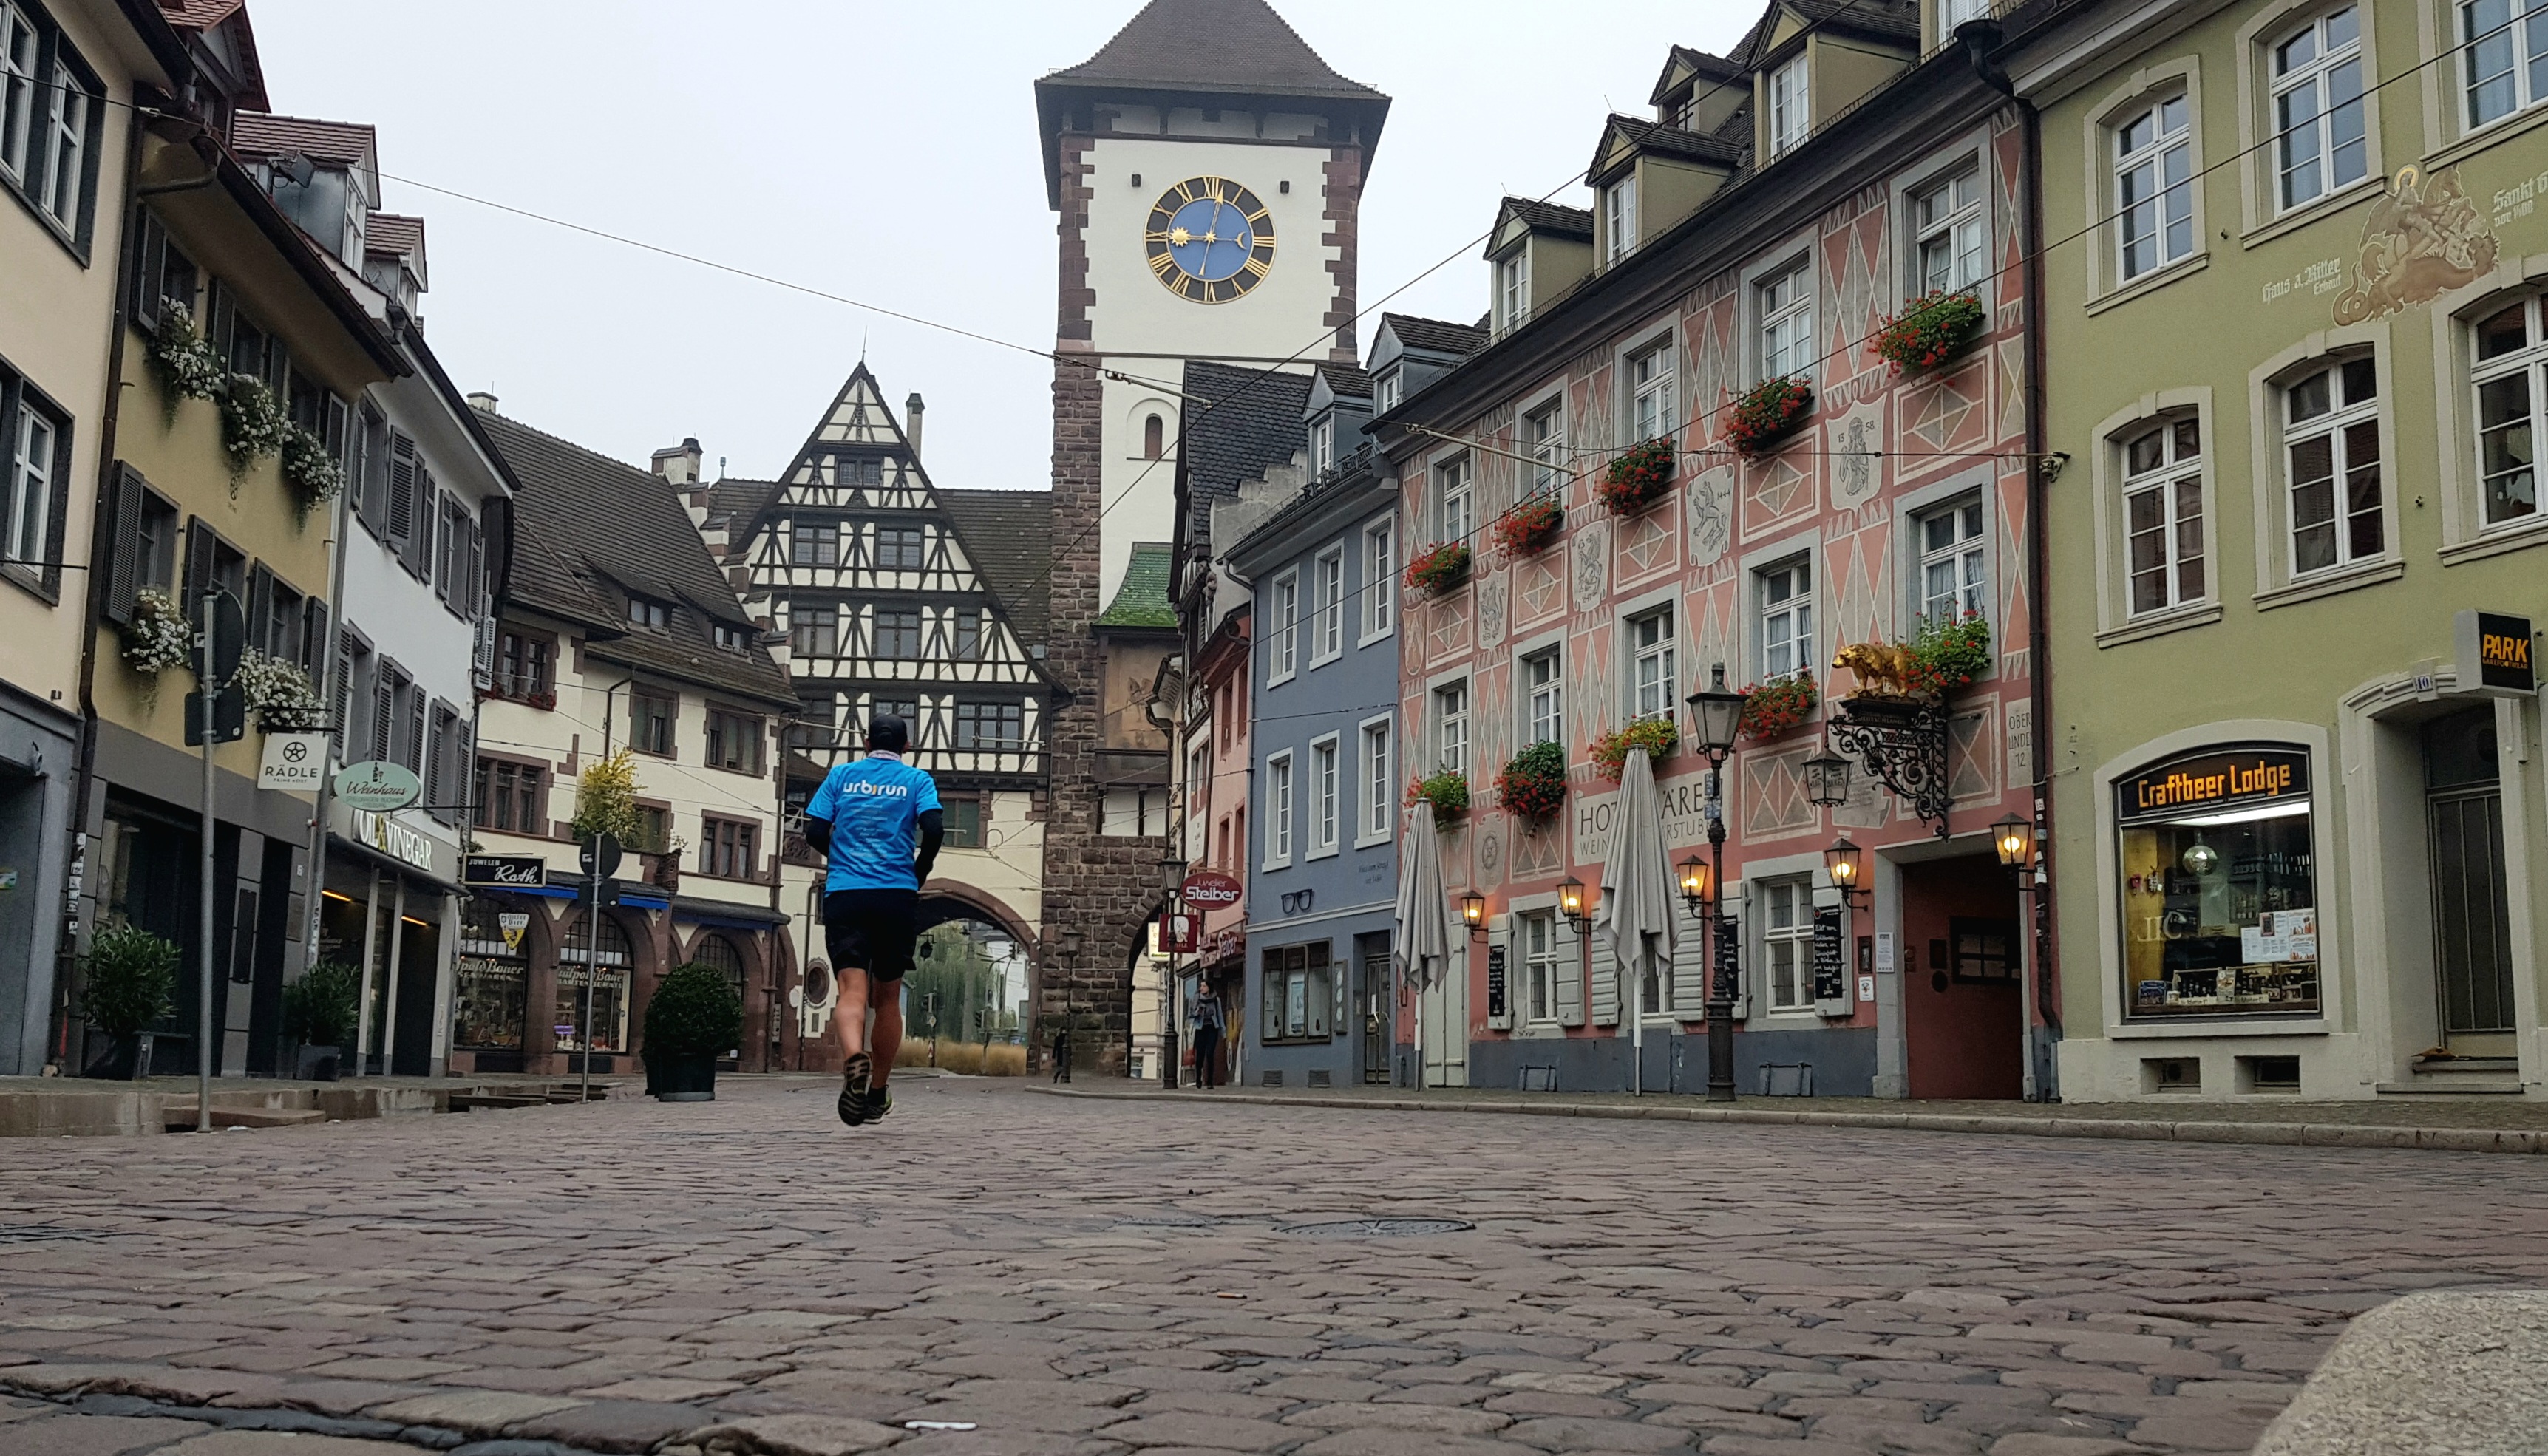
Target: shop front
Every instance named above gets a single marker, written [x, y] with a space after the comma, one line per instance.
[387, 909]
[38, 762]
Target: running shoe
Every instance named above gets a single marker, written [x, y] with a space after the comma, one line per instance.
[879, 1102]
[853, 1088]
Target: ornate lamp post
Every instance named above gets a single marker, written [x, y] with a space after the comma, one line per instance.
[1717, 713]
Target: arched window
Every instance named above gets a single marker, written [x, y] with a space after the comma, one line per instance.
[609, 986]
[718, 954]
[1154, 437]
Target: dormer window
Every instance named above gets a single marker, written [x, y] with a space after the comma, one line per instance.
[1322, 444]
[731, 638]
[1790, 109]
[1619, 214]
[1390, 388]
[1512, 290]
[654, 617]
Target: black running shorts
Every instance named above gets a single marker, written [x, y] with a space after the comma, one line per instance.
[871, 930]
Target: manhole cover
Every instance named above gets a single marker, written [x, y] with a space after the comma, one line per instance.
[1380, 1229]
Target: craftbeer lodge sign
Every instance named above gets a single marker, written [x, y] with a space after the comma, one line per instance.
[2214, 781]
[1209, 889]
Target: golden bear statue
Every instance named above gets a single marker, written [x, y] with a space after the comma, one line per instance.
[1883, 670]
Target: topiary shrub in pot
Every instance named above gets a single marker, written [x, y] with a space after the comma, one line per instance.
[693, 1018]
[128, 984]
[318, 1013]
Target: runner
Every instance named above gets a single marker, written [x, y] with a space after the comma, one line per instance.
[877, 823]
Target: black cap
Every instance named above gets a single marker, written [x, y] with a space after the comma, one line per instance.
[888, 734]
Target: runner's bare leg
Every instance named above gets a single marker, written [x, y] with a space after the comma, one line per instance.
[849, 1010]
[887, 1039]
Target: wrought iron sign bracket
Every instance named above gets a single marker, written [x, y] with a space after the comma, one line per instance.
[1903, 743]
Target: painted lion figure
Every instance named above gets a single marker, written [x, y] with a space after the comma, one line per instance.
[1882, 669]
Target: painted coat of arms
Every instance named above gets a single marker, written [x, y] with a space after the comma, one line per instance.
[2422, 238]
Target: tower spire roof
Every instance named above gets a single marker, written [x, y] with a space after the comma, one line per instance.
[1238, 45]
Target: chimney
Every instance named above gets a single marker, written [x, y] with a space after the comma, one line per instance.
[483, 402]
[913, 408]
[679, 464]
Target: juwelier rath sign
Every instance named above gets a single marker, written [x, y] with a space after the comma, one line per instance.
[2226, 779]
[2495, 655]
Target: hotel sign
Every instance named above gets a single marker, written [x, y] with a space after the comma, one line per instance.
[2220, 778]
[2495, 654]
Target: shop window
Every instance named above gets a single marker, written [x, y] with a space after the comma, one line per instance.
[2331, 448]
[2512, 380]
[2220, 901]
[1297, 991]
[490, 976]
[602, 967]
[2163, 516]
[1787, 943]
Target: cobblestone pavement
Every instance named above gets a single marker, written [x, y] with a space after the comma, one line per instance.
[1108, 1277]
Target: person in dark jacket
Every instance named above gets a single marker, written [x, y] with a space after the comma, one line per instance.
[1208, 1028]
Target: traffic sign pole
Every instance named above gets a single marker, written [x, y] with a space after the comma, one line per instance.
[207, 693]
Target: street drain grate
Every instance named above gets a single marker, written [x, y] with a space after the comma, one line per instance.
[1380, 1229]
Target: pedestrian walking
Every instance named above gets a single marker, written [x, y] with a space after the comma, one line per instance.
[1208, 1026]
[878, 826]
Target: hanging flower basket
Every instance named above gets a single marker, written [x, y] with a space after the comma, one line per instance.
[1530, 527]
[1660, 738]
[1773, 707]
[278, 692]
[188, 367]
[1439, 568]
[1948, 655]
[1446, 791]
[1762, 419]
[1638, 478]
[1932, 329]
[253, 424]
[311, 471]
[1533, 785]
[158, 637]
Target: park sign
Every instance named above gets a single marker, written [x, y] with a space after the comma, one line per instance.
[1209, 889]
[377, 786]
[2495, 654]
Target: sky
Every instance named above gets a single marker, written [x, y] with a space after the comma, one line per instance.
[881, 152]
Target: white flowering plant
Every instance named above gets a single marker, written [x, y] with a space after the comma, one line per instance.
[279, 692]
[158, 637]
[309, 469]
[253, 424]
[188, 366]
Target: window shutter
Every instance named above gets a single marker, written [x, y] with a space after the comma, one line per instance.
[402, 501]
[216, 322]
[260, 610]
[344, 699]
[1500, 943]
[124, 544]
[464, 779]
[149, 265]
[415, 745]
[437, 748]
[199, 563]
[1570, 975]
[384, 712]
[1689, 973]
[470, 592]
[315, 641]
[1606, 982]
[484, 661]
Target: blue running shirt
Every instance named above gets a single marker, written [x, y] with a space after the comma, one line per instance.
[875, 807]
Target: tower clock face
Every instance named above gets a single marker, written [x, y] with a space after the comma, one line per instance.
[1210, 241]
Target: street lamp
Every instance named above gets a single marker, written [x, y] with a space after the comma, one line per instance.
[1696, 881]
[1172, 879]
[1717, 713]
[2014, 838]
[1827, 778]
[1570, 903]
[1842, 862]
[1473, 909]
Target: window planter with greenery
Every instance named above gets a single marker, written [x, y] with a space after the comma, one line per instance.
[1947, 655]
[1659, 738]
[1773, 707]
[1447, 792]
[158, 638]
[1529, 528]
[1439, 568]
[1533, 785]
[311, 471]
[1759, 420]
[692, 1019]
[1638, 478]
[279, 693]
[253, 424]
[318, 1013]
[1933, 329]
[128, 985]
[188, 367]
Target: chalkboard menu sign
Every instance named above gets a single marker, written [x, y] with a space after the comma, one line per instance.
[1831, 978]
[1496, 981]
[1729, 959]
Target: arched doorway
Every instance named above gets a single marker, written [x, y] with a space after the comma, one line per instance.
[490, 984]
[969, 982]
[719, 955]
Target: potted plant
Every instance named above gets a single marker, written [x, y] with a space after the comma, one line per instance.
[1533, 785]
[1657, 738]
[278, 691]
[188, 366]
[1439, 568]
[128, 985]
[1638, 478]
[1763, 418]
[1948, 654]
[253, 424]
[309, 469]
[1530, 527]
[692, 1019]
[1446, 791]
[1930, 330]
[1773, 707]
[158, 637]
[319, 1012]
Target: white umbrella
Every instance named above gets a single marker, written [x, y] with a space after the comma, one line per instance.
[1637, 915]
[1423, 942]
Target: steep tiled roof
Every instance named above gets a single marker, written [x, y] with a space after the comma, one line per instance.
[262, 134]
[1142, 599]
[389, 235]
[1008, 534]
[590, 530]
[736, 501]
[1346, 381]
[1699, 63]
[1892, 20]
[199, 15]
[1436, 337]
[1214, 46]
[1253, 423]
[1549, 217]
[1649, 135]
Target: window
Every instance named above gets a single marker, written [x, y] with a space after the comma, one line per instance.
[1787, 620]
[1278, 811]
[50, 113]
[903, 708]
[651, 721]
[1451, 727]
[1453, 507]
[1283, 627]
[1787, 943]
[1786, 325]
[814, 543]
[1649, 394]
[1619, 213]
[2153, 195]
[654, 830]
[969, 634]
[1154, 437]
[900, 548]
[1379, 788]
[2320, 145]
[2331, 444]
[734, 742]
[725, 848]
[509, 798]
[1948, 220]
[1981, 949]
[1328, 610]
[1323, 445]
[897, 634]
[154, 542]
[1539, 966]
[1543, 438]
[1512, 290]
[2218, 870]
[73, 112]
[1790, 106]
[859, 472]
[1953, 576]
[654, 617]
[989, 726]
[1378, 579]
[729, 637]
[1654, 677]
[1956, 12]
[813, 630]
[522, 668]
[964, 821]
[37, 462]
[1543, 698]
[2163, 515]
[1327, 792]
[2510, 390]
[1390, 388]
[2506, 62]
[1297, 987]
[17, 94]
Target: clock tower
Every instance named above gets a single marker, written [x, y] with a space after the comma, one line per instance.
[1208, 168]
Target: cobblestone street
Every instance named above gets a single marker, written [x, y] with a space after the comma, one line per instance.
[1100, 1277]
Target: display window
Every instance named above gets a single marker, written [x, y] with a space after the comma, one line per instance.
[606, 969]
[2219, 886]
[491, 977]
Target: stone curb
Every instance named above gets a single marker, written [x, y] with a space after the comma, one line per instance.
[2137, 1130]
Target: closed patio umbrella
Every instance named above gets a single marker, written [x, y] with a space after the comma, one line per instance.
[1637, 915]
[1424, 916]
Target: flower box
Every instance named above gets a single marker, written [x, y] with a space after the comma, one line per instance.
[1533, 785]
[1759, 420]
[1529, 528]
[1930, 330]
[1439, 568]
[1948, 655]
[158, 637]
[1660, 738]
[1638, 478]
[1446, 791]
[1773, 707]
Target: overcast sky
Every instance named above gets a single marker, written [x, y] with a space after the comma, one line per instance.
[884, 152]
